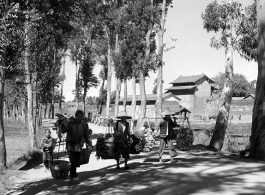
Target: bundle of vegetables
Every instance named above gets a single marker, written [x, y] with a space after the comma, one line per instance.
[105, 147]
[142, 141]
[134, 147]
[150, 141]
[184, 139]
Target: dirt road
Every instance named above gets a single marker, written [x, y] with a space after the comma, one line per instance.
[196, 173]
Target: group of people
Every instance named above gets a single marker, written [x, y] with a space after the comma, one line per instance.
[78, 133]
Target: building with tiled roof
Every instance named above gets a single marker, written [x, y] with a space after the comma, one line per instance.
[150, 98]
[194, 92]
[170, 101]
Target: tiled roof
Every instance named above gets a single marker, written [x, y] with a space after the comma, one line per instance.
[181, 87]
[189, 79]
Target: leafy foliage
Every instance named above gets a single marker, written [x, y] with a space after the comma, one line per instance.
[248, 32]
[241, 86]
[215, 18]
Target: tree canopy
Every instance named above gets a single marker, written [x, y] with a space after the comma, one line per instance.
[241, 86]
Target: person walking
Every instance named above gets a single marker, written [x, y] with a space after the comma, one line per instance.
[77, 132]
[167, 135]
[122, 126]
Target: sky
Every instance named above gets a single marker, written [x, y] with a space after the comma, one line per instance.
[192, 54]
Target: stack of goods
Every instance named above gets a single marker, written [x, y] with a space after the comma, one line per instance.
[149, 138]
[184, 138]
[111, 146]
[134, 145]
[105, 147]
[138, 142]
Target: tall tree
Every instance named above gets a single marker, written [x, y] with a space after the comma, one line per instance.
[56, 17]
[161, 29]
[147, 64]
[62, 85]
[222, 18]
[257, 139]
[87, 78]
[9, 12]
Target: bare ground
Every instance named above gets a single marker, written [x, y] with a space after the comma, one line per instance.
[198, 172]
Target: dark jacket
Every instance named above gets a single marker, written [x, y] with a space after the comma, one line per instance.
[75, 136]
[164, 124]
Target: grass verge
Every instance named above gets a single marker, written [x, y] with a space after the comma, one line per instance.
[18, 152]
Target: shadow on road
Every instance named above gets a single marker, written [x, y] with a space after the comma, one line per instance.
[202, 172]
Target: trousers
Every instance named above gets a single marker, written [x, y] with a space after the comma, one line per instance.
[169, 142]
[75, 162]
[47, 159]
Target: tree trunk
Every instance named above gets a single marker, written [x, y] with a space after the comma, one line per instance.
[100, 102]
[34, 93]
[2, 128]
[84, 99]
[109, 80]
[133, 106]
[45, 110]
[141, 118]
[17, 116]
[118, 83]
[40, 115]
[35, 107]
[257, 139]
[142, 115]
[77, 83]
[50, 111]
[117, 97]
[24, 111]
[32, 136]
[125, 95]
[159, 80]
[4, 110]
[63, 74]
[226, 96]
[53, 100]
[14, 112]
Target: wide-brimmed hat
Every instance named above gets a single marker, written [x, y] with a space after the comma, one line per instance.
[168, 112]
[123, 114]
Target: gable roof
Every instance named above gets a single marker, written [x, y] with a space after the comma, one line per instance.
[250, 95]
[190, 79]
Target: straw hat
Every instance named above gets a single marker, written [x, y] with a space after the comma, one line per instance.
[123, 114]
[167, 112]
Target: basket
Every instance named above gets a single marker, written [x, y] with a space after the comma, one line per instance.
[60, 169]
[85, 155]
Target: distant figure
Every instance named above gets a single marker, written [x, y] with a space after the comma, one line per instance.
[239, 117]
[123, 127]
[89, 117]
[47, 149]
[167, 135]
